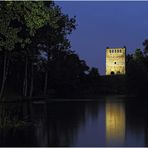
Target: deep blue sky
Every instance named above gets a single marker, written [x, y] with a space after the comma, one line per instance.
[102, 24]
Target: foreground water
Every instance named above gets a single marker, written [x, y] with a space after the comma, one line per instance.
[110, 121]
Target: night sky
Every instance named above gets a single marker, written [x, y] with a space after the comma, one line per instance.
[101, 24]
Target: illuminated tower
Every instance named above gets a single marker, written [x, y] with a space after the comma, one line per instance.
[115, 61]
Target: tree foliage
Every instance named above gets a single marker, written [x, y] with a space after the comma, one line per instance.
[137, 72]
[39, 56]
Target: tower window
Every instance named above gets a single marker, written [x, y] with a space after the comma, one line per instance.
[112, 51]
[117, 51]
[120, 50]
[112, 73]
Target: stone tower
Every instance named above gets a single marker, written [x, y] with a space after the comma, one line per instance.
[115, 61]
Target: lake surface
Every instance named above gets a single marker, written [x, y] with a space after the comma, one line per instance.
[108, 121]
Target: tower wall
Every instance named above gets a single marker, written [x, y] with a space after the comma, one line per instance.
[115, 61]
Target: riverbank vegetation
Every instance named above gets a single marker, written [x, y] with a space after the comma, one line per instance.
[37, 60]
[137, 71]
[36, 55]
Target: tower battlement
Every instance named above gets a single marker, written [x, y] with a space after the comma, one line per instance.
[115, 61]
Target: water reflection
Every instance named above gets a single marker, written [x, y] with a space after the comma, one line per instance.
[115, 123]
[108, 122]
[59, 123]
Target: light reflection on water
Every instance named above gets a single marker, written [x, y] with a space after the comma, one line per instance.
[115, 123]
[106, 122]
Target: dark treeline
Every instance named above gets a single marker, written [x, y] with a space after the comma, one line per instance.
[37, 60]
[35, 54]
[137, 71]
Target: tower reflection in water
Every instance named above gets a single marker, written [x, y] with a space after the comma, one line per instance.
[115, 123]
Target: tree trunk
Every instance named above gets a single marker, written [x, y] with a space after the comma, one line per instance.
[45, 83]
[32, 80]
[5, 72]
[25, 87]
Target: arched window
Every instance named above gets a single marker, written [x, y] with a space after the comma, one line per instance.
[112, 51]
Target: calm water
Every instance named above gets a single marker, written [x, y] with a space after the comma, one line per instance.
[111, 121]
